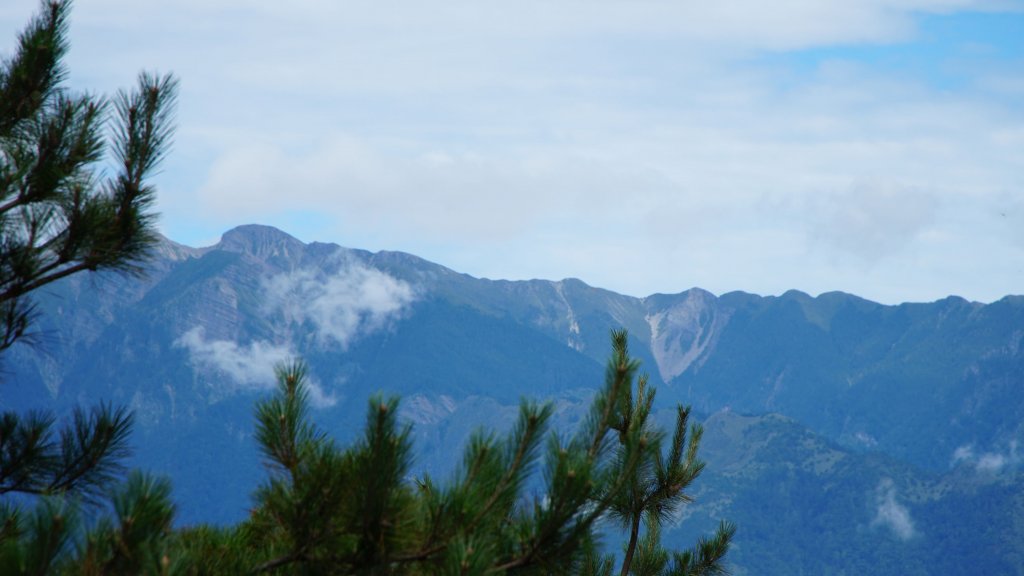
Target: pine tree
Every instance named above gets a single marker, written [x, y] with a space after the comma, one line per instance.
[325, 509]
[334, 511]
[58, 217]
[656, 490]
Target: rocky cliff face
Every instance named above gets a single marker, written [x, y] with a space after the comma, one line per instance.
[684, 330]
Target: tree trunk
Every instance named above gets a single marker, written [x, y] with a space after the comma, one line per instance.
[634, 534]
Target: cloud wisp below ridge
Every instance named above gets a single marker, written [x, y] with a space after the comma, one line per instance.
[992, 462]
[890, 513]
[338, 308]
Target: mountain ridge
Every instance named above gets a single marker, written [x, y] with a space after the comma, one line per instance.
[242, 237]
[816, 358]
[921, 394]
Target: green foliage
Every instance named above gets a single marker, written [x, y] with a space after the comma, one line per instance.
[705, 559]
[85, 460]
[33, 543]
[325, 509]
[58, 215]
[656, 489]
[135, 541]
[353, 510]
[53, 538]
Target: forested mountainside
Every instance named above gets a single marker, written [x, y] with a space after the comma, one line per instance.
[842, 435]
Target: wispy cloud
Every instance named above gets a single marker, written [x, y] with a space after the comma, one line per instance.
[890, 513]
[337, 303]
[988, 462]
[245, 367]
[341, 306]
[248, 366]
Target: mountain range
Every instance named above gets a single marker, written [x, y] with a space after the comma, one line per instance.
[842, 435]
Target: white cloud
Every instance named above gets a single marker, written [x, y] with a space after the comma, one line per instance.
[963, 453]
[841, 182]
[988, 462]
[872, 221]
[354, 301]
[247, 367]
[537, 139]
[890, 513]
[406, 23]
[342, 302]
[317, 397]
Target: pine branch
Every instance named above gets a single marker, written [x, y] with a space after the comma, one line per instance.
[616, 393]
[92, 449]
[136, 543]
[27, 452]
[55, 220]
[47, 536]
[34, 73]
[526, 441]
[381, 463]
[522, 444]
[278, 562]
[706, 558]
[571, 488]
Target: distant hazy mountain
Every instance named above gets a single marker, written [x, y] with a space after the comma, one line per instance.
[844, 436]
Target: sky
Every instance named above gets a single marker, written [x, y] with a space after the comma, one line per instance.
[644, 146]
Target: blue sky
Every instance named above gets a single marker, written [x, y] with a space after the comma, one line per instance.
[874, 147]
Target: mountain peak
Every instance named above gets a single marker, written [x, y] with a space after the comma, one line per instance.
[260, 241]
